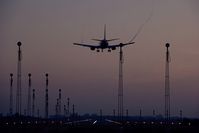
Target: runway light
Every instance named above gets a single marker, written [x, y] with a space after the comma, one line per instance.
[152, 122]
[172, 123]
[161, 123]
[179, 123]
[94, 122]
[6, 123]
[29, 122]
[52, 122]
[14, 123]
[21, 122]
[189, 124]
[35, 122]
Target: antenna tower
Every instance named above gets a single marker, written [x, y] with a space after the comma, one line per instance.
[11, 94]
[167, 85]
[29, 95]
[46, 97]
[18, 93]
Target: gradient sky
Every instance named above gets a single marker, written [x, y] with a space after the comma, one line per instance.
[48, 29]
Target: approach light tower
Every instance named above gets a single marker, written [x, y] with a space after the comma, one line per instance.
[46, 97]
[59, 104]
[167, 85]
[120, 82]
[33, 103]
[120, 86]
[29, 95]
[11, 94]
[68, 107]
[18, 93]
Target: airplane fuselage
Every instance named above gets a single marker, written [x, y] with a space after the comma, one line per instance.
[104, 44]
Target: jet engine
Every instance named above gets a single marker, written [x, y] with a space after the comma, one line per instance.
[92, 48]
[113, 48]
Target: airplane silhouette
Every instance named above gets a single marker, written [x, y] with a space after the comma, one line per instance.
[104, 44]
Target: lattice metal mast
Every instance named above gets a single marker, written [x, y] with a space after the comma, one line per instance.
[59, 107]
[33, 102]
[18, 93]
[68, 107]
[120, 86]
[29, 95]
[46, 97]
[11, 94]
[167, 84]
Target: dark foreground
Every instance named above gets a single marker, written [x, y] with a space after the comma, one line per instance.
[96, 126]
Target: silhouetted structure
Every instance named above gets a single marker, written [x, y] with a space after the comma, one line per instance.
[46, 97]
[153, 112]
[38, 113]
[127, 114]
[140, 114]
[29, 95]
[18, 93]
[59, 103]
[68, 106]
[33, 103]
[73, 111]
[167, 85]
[103, 44]
[11, 95]
[100, 114]
[65, 113]
[120, 87]
[114, 113]
[56, 107]
[181, 117]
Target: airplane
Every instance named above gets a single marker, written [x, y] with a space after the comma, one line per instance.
[104, 44]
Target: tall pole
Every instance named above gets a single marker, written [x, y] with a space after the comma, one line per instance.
[59, 109]
[120, 87]
[46, 97]
[29, 96]
[100, 114]
[38, 113]
[127, 114]
[140, 114]
[18, 93]
[167, 85]
[11, 94]
[73, 112]
[154, 113]
[114, 113]
[33, 103]
[64, 110]
[56, 107]
[181, 118]
[68, 107]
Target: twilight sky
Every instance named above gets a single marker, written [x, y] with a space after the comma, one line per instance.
[48, 29]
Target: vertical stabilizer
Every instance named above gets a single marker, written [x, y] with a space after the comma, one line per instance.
[105, 32]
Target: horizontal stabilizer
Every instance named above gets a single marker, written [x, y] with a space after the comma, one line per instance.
[113, 39]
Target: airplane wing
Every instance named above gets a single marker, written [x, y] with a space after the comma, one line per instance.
[120, 45]
[85, 45]
[92, 47]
